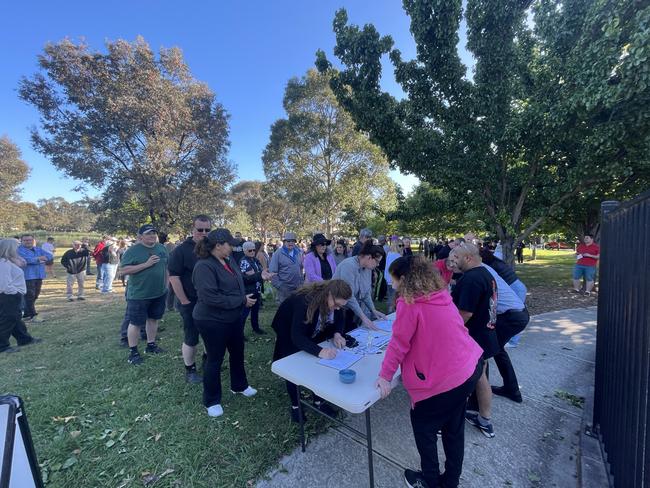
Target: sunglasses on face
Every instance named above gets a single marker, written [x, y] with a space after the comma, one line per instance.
[400, 245]
[203, 230]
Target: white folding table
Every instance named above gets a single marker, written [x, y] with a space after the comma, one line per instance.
[303, 370]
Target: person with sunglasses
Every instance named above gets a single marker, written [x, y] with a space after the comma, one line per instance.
[181, 265]
[254, 276]
[146, 295]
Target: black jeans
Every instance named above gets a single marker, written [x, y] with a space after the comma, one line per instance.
[33, 292]
[11, 323]
[509, 324]
[255, 314]
[445, 412]
[217, 337]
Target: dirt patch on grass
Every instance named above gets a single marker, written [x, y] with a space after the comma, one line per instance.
[542, 299]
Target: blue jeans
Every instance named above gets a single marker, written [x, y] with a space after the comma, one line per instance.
[108, 275]
[520, 290]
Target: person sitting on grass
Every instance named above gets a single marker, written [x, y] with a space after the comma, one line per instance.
[308, 316]
[440, 364]
[12, 290]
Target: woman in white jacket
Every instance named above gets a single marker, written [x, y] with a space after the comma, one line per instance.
[12, 288]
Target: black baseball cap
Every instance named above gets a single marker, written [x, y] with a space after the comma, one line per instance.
[222, 235]
[146, 228]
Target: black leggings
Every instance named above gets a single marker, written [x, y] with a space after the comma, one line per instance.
[11, 322]
[445, 412]
[217, 337]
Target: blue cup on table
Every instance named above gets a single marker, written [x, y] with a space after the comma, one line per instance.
[347, 376]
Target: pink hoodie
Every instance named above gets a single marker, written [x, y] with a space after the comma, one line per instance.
[430, 338]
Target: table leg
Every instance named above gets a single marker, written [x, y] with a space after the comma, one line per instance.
[371, 471]
[301, 419]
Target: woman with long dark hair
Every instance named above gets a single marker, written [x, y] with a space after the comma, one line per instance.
[311, 315]
[319, 263]
[440, 366]
[217, 315]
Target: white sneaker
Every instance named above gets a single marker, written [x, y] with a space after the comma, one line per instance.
[215, 410]
[248, 392]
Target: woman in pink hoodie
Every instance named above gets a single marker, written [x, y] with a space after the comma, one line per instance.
[440, 366]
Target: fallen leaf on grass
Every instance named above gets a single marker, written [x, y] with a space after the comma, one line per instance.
[110, 443]
[75, 433]
[157, 437]
[69, 462]
[64, 419]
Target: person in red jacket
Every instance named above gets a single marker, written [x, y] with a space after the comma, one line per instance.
[587, 255]
[99, 260]
[440, 365]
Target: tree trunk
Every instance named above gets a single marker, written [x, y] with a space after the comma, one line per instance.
[508, 249]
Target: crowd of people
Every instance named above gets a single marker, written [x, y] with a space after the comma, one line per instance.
[457, 304]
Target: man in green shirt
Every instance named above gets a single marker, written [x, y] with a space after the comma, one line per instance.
[146, 293]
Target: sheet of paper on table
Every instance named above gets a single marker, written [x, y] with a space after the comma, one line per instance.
[373, 346]
[385, 325]
[343, 360]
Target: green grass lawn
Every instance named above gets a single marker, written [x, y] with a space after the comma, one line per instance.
[550, 268]
[97, 421]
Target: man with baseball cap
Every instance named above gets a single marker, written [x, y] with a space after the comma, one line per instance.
[286, 264]
[146, 294]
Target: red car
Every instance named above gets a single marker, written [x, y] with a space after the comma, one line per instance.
[558, 245]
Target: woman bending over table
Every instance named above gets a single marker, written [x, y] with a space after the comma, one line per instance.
[440, 365]
[311, 315]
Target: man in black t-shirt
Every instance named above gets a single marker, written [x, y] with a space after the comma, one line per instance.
[475, 295]
[181, 265]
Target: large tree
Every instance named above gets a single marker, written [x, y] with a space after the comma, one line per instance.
[135, 125]
[13, 172]
[557, 101]
[318, 161]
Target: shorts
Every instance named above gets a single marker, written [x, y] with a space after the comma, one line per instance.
[588, 272]
[190, 332]
[141, 310]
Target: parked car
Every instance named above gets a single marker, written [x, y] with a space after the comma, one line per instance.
[558, 245]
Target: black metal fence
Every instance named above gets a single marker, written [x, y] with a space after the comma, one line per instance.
[622, 386]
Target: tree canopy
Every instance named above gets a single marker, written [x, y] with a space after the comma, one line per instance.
[556, 102]
[135, 125]
[13, 172]
[317, 161]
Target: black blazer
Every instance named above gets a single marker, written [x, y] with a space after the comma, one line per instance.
[294, 335]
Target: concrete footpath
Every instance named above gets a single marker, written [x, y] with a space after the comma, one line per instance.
[539, 443]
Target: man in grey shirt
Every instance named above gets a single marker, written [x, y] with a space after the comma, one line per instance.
[286, 263]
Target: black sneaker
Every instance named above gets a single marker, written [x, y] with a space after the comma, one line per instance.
[81, 299]
[35, 340]
[294, 415]
[135, 359]
[193, 377]
[154, 349]
[414, 479]
[486, 430]
[501, 391]
[10, 349]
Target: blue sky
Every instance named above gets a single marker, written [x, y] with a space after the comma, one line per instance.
[245, 51]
